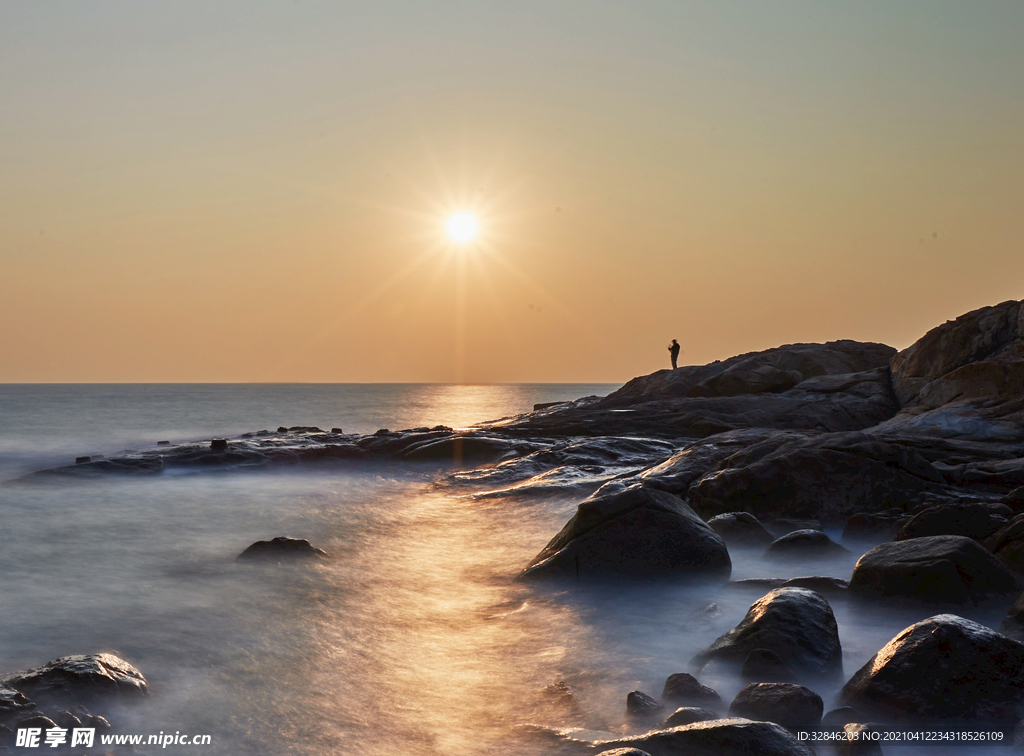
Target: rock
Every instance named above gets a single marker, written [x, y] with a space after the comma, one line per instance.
[872, 527]
[80, 679]
[977, 521]
[861, 740]
[799, 544]
[944, 668]
[82, 460]
[14, 706]
[762, 665]
[950, 569]
[640, 704]
[792, 706]
[1013, 623]
[682, 688]
[795, 623]
[826, 586]
[459, 449]
[283, 547]
[837, 719]
[36, 721]
[688, 715]
[1007, 545]
[337, 430]
[163, 443]
[219, 444]
[740, 529]
[718, 737]
[828, 477]
[637, 533]
[624, 752]
[962, 378]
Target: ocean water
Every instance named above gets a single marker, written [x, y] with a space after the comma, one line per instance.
[414, 638]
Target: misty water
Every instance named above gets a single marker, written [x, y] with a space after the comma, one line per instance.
[413, 638]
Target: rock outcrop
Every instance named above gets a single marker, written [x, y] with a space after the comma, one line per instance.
[792, 706]
[636, 533]
[717, 737]
[282, 547]
[80, 679]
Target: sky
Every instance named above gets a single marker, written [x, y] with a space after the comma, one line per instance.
[256, 191]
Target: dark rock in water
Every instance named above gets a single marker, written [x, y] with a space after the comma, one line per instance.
[787, 704]
[458, 449]
[944, 668]
[795, 623]
[872, 527]
[304, 429]
[163, 443]
[624, 752]
[828, 477]
[640, 704]
[740, 529]
[545, 405]
[780, 526]
[804, 543]
[337, 430]
[37, 721]
[219, 444]
[82, 460]
[80, 679]
[13, 705]
[283, 547]
[688, 715]
[762, 665]
[952, 569]
[636, 533]
[282, 429]
[1013, 623]
[719, 737]
[685, 689]
[977, 521]
[862, 739]
[1007, 545]
[826, 586]
[837, 719]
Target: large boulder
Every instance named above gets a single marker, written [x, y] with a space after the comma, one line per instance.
[741, 529]
[1007, 544]
[717, 737]
[636, 533]
[683, 689]
[952, 569]
[963, 378]
[804, 544]
[787, 704]
[81, 679]
[794, 623]
[940, 669]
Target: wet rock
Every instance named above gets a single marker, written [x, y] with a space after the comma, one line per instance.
[718, 737]
[640, 704]
[741, 529]
[859, 741]
[810, 544]
[795, 623]
[624, 752]
[14, 705]
[637, 533]
[1007, 545]
[872, 527]
[80, 679]
[459, 449]
[792, 706]
[684, 689]
[763, 665]
[977, 521]
[1013, 623]
[688, 715]
[837, 719]
[829, 587]
[283, 547]
[943, 668]
[219, 444]
[37, 721]
[829, 477]
[950, 569]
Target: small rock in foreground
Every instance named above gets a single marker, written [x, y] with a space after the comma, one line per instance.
[283, 547]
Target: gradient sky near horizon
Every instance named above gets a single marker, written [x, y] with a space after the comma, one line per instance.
[257, 191]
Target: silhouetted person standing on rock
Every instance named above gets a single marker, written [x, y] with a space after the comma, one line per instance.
[673, 349]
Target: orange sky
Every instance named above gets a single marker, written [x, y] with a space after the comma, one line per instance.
[257, 191]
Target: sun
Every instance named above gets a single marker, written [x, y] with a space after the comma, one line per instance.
[462, 227]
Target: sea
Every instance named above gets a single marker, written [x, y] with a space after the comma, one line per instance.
[414, 638]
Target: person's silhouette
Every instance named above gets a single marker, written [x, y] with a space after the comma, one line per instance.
[673, 349]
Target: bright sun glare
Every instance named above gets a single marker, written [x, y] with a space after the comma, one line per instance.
[462, 228]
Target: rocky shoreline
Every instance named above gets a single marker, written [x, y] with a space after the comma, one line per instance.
[921, 450]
